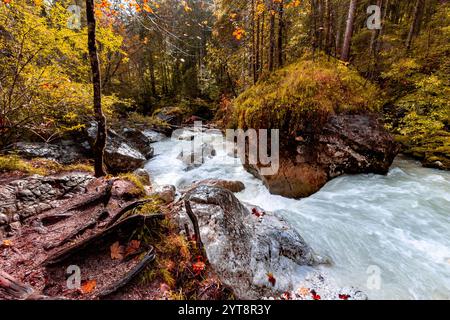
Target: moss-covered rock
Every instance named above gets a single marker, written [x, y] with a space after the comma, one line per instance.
[326, 114]
[301, 97]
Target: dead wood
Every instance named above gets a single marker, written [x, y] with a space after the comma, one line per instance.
[149, 257]
[132, 222]
[194, 221]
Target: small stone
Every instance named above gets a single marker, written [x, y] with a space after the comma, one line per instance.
[16, 217]
[3, 219]
[166, 193]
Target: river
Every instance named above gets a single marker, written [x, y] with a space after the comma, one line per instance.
[387, 235]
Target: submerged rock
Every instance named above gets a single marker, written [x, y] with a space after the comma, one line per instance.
[347, 144]
[196, 158]
[245, 248]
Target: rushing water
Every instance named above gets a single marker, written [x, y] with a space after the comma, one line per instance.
[394, 228]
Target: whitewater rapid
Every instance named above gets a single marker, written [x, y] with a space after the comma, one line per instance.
[387, 235]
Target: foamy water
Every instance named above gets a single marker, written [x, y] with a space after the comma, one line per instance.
[397, 224]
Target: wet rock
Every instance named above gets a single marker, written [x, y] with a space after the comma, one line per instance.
[243, 248]
[139, 141]
[154, 136]
[348, 144]
[64, 152]
[166, 193]
[196, 158]
[233, 186]
[119, 155]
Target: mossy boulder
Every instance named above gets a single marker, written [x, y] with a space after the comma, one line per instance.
[328, 122]
[300, 98]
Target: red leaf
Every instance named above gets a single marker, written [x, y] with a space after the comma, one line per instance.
[315, 295]
[271, 279]
[344, 296]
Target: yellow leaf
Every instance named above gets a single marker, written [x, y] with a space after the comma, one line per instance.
[147, 8]
[7, 243]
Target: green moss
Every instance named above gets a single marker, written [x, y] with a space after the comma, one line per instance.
[14, 163]
[138, 182]
[39, 166]
[301, 96]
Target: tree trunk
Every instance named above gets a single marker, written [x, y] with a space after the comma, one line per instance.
[345, 55]
[254, 48]
[271, 35]
[375, 34]
[418, 9]
[280, 34]
[257, 57]
[99, 146]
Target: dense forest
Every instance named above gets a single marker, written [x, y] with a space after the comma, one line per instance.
[349, 84]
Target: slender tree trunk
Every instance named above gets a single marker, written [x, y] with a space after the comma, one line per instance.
[328, 23]
[254, 48]
[262, 40]
[345, 55]
[337, 45]
[375, 34]
[151, 64]
[99, 146]
[415, 23]
[280, 33]
[257, 44]
[271, 35]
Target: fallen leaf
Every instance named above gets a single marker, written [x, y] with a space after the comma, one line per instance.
[7, 243]
[88, 286]
[198, 266]
[271, 279]
[315, 296]
[116, 251]
[344, 296]
[286, 296]
[132, 247]
[303, 292]
[257, 213]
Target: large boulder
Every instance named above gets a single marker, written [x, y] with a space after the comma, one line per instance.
[347, 144]
[139, 140]
[120, 156]
[246, 248]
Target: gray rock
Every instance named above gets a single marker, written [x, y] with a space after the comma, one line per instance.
[233, 186]
[139, 141]
[64, 152]
[25, 197]
[119, 155]
[243, 248]
[3, 219]
[154, 136]
[166, 193]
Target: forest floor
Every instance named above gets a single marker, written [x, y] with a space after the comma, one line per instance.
[124, 247]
